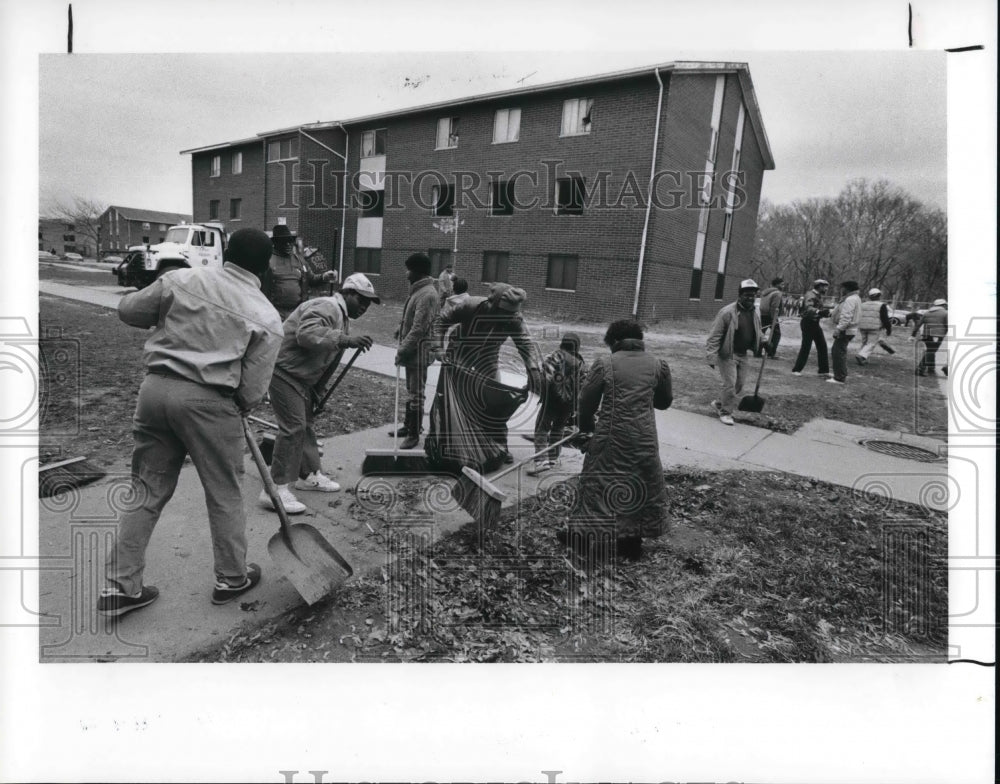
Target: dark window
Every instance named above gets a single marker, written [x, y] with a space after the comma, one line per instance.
[69, 238]
[440, 258]
[283, 149]
[372, 203]
[720, 285]
[373, 143]
[695, 292]
[562, 272]
[213, 209]
[145, 239]
[443, 197]
[234, 208]
[495, 266]
[570, 194]
[727, 226]
[502, 197]
[368, 260]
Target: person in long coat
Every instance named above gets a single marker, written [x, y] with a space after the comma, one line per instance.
[622, 479]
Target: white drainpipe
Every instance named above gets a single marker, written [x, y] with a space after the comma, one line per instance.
[649, 196]
[343, 205]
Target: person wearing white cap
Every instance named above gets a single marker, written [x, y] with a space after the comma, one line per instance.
[735, 331]
[934, 324]
[813, 310]
[316, 335]
[875, 325]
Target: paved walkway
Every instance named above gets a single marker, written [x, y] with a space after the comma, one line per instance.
[76, 531]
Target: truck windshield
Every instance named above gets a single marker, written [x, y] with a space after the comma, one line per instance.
[178, 234]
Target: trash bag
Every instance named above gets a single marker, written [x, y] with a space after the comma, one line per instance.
[467, 410]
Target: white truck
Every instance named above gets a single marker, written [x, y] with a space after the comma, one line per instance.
[193, 245]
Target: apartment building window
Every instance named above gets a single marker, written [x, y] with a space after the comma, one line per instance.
[368, 260]
[216, 166]
[447, 134]
[562, 272]
[234, 208]
[570, 195]
[69, 238]
[213, 209]
[502, 197]
[576, 116]
[443, 199]
[720, 285]
[145, 240]
[237, 163]
[373, 143]
[163, 227]
[713, 146]
[372, 203]
[440, 258]
[506, 126]
[727, 226]
[695, 292]
[495, 266]
[283, 149]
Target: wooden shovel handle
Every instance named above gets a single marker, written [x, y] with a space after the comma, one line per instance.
[265, 476]
[527, 460]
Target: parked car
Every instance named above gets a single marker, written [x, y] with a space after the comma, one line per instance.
[44, 255]
[71, 257]
[898, 316]
[112, 258]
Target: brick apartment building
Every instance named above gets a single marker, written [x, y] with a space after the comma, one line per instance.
[122, 227]
[59, 236]
[628, 193]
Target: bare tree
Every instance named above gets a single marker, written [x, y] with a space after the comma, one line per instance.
[82, 213]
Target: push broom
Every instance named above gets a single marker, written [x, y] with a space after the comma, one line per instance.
[396, 460]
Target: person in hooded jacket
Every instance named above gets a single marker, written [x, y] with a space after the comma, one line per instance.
[621, 485]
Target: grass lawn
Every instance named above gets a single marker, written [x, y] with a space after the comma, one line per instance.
[756, 568]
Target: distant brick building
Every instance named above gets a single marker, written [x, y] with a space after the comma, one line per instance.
[59, 236]
[634, 192]
[122, 227]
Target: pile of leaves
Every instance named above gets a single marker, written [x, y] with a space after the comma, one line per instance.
[761, 567]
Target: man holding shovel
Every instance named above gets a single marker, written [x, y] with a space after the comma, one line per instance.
[316, 335]
[735, 331]
[209, 358]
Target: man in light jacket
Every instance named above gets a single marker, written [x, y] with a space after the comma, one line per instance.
[414, 335]
[934, 324]
[735, 331]
[875, 323]
[316, 335]
[846, 318]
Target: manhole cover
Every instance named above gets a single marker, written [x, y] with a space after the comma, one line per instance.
[898, 449]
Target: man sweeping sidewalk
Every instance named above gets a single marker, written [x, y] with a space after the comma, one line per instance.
[209, 358]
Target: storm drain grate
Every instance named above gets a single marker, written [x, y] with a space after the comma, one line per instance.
[897, 449]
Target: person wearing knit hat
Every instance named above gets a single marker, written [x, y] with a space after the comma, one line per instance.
[934, 324]
[813, 309]
[875, 324]
[563, 371]
[735, 331]
[481, 326]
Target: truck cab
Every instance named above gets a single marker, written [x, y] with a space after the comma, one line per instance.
[189, 245]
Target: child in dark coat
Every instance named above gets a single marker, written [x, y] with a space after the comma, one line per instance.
[563, 372]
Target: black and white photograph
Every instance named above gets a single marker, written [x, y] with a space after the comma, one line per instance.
[616, 355]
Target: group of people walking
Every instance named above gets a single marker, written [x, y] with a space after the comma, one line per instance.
[746, 327]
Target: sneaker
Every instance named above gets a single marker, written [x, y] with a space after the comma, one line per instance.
[833, 381]
[508, 458]
[827, 375]
[115, 602]
[540, 468]
[726, 419]
[225, 593]
[292, 504]
[317, 481]
[796, 373]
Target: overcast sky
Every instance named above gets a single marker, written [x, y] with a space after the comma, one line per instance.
[111, 127]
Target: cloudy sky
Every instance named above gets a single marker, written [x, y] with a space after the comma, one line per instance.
[111, 127]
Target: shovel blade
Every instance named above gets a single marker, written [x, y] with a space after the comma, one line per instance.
[752, 403]
[310, 563]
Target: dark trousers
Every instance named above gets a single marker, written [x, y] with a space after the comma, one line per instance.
[927, 361]
[552, 420]
[812, 332]
[416, 384]
[771, 346]
[839, 355]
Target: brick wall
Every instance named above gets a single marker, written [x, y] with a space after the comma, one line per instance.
[248, 186]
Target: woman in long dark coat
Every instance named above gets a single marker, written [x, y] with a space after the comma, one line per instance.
[622, 479]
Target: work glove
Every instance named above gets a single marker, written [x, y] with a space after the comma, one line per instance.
[358, 341]
[330, 276]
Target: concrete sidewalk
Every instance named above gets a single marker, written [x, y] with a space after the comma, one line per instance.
[76, 531]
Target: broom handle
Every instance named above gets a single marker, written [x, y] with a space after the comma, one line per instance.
[527, 460]
[263, 422]
[265, 476]
[395, 419]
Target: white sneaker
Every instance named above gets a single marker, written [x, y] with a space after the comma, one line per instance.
[833, 381]
[726, 419]
[317, 481]
[796, 373]
[292, 504]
